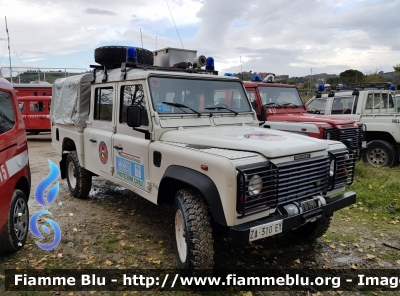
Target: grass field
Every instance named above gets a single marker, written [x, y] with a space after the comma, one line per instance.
[378, 192]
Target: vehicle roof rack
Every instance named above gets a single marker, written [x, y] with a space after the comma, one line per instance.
[373, 85]
[126, 65]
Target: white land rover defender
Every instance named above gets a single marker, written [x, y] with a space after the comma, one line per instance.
[164, 133]
[376, 106]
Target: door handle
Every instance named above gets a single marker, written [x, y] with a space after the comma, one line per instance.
[118, 147]
[93, 140]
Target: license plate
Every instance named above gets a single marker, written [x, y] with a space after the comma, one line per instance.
[364, 144]
[265, 230]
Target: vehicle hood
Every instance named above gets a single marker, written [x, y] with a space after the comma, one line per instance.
[270, 143]
[306, 117]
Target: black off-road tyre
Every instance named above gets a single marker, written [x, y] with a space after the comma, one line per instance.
[380, 154]
[115, 55]
[79, 179]
[17, 226]
[193, 233]
[313, 230]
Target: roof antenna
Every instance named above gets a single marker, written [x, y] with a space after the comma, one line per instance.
[177, 30]
[9, 53]
[141, 38]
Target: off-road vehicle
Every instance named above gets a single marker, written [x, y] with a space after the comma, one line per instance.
[279, 106]
[15, 176]
[373, 104]
[166, 133]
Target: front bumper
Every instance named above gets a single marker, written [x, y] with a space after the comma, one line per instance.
[240, 233]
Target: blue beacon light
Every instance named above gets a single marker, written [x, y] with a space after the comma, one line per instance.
[210, 63]
[229, 74]
[256, 78]
[320, 87]
[131, 55]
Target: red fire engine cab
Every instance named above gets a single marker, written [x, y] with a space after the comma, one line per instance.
[35, 103]
[15, 179]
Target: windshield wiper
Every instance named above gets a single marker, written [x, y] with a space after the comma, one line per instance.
[268, 104]
[221, 108]
[180, 106]
[287, 104]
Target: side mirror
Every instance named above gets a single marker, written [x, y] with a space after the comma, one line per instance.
[263, 116]
[134, 116]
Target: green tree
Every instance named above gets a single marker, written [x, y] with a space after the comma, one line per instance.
[333, 80]
[351, 76]
[396, 67]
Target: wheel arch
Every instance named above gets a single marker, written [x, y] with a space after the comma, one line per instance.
[378, 135]
[177, 177]
[67, 145]
[23, 184]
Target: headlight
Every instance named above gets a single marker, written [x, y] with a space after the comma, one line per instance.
[332, 168]
[328, 135]
[255, 185]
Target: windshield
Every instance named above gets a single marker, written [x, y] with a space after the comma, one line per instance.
[316, 105]
[280, 95]
[179, 95]
[7, 116]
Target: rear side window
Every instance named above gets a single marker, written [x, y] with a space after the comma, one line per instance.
[103, 104]
[7, 115]
[37, 107]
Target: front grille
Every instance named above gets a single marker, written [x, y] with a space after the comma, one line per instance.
[345, 161]
[303, 178]
[281, 183]
[350, 134]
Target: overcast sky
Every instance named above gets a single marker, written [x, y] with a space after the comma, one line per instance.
[283, 37]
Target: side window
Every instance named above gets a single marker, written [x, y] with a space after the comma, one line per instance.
[252, 98]
[388, 101]
[21, 106]
[133, 95]
[37, 107]
[7, 115]
[103, 103]
[370, 101]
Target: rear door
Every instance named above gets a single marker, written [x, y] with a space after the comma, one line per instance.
[98, 135]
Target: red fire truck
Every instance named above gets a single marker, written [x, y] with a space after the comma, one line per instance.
[35, 103]
[15, 181]
[279, 106]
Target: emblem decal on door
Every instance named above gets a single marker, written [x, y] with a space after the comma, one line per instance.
[103, 152]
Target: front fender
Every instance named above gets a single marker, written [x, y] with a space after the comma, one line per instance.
[175, 176]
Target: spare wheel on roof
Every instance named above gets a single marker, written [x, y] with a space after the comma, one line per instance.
[111, 55]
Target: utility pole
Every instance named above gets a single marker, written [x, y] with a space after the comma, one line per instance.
[9, 53]
[241, 71]
[309, 86]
